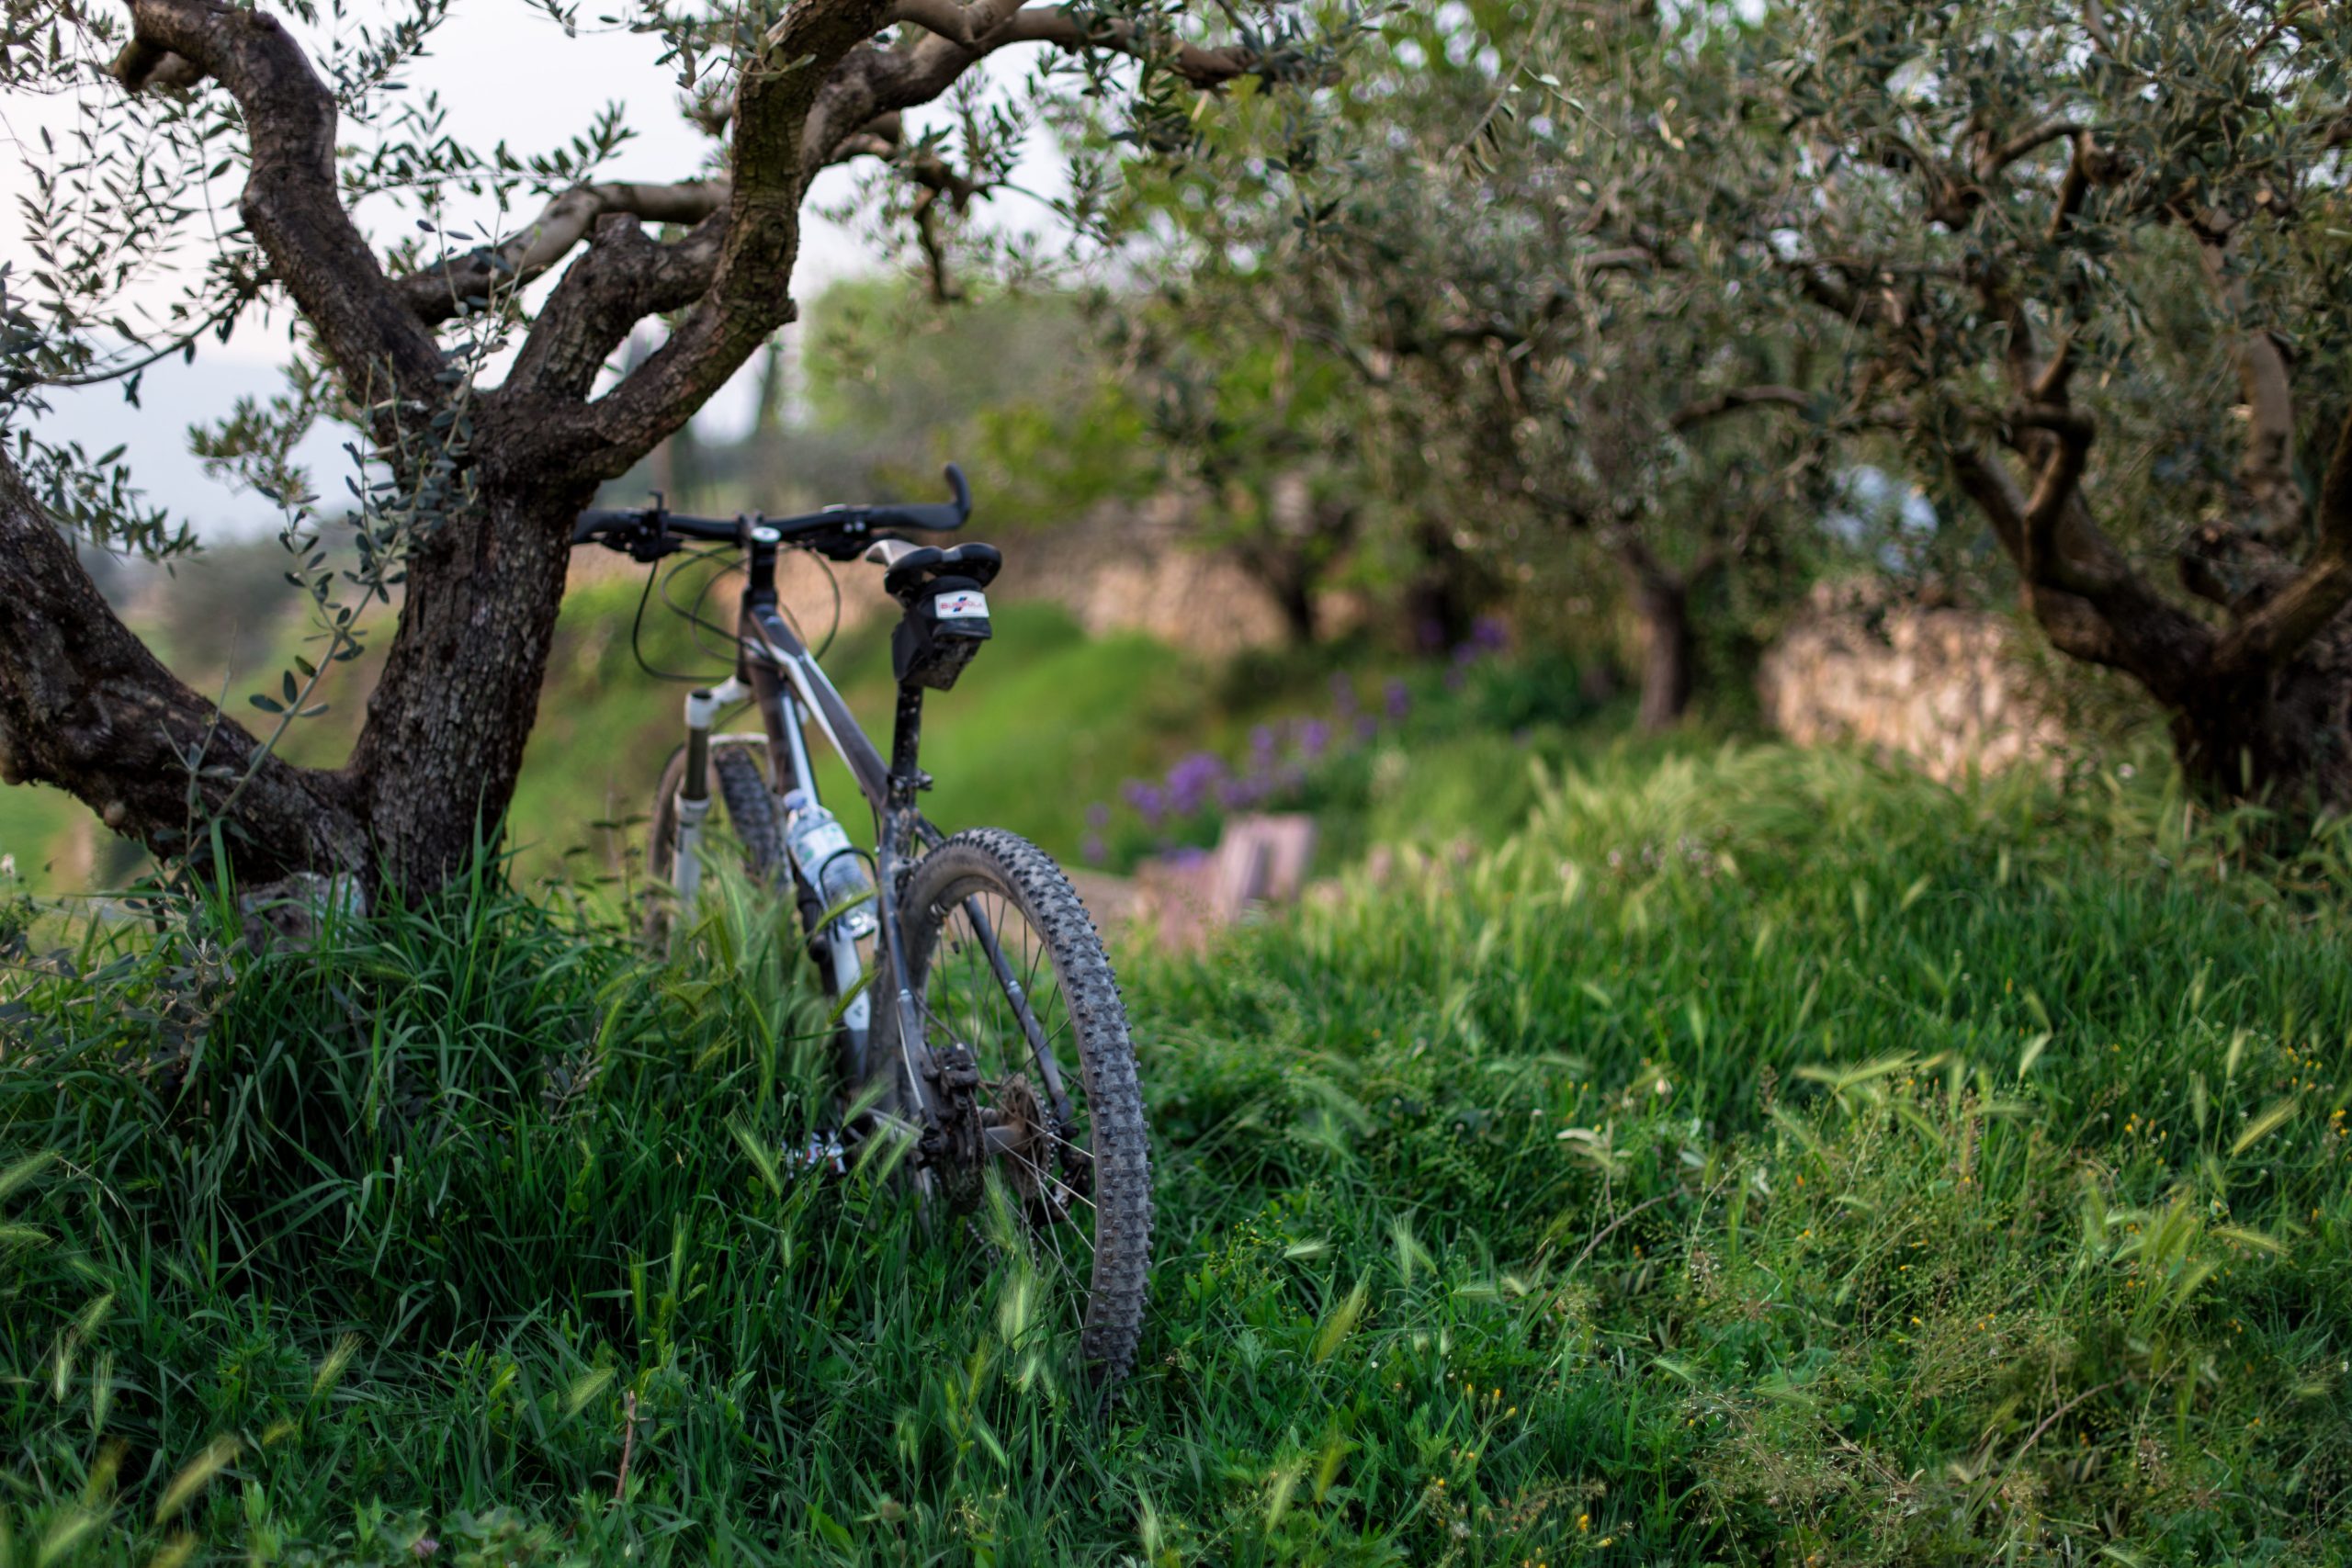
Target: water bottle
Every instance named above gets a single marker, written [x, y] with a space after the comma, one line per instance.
[821, 850]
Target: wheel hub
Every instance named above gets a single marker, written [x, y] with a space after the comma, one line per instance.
[1019, 1137]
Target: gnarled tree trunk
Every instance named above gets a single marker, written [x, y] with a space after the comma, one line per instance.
[85, 705]
[1661, 602]
[2260, 705]
[460, 690]
[2284, 737]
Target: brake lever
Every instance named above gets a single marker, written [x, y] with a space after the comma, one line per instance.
[651, 542]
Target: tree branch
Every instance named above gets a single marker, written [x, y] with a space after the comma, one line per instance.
[747, 294]
[85, 706]
[623, 278]
[2286, 621]
[2053, 490]
[951, 20]
[1203, 67]
[2031, 139]
[289, 199]
[465, 282]
[872, 82]
[1735, 400]
[2110, 616]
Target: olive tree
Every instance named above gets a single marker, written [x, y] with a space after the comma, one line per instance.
[2090, 261]
[1489, 227]
[477, 371]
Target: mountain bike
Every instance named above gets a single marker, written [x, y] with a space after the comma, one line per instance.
[978, 1022]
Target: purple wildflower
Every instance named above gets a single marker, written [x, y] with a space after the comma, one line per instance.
[1098, 815]
[1093, 849]
[1145, 799]
[1367, 728]
[1189, 781]
[1397, 699]
[1344, 693]
[1314, 737]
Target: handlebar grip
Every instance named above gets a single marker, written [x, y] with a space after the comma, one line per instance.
[935, 517]
[596, 521]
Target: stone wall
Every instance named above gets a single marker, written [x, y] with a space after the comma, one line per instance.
[1135, 568]
[1939, 687]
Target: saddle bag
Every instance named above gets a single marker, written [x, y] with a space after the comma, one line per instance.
[943, 626]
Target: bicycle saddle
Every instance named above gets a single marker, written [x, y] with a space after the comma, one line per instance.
[910, 568]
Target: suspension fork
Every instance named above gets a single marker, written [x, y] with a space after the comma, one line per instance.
[694, 798]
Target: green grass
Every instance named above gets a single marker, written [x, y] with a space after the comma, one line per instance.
[1758, 1157]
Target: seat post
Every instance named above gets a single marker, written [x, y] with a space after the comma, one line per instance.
[907, 776]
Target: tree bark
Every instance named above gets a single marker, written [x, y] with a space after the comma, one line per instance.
[1293, 587]
[2285, 737]
[1445, 593]
[1661, 600]
[1665, 657]
[84, 706]
[460, 689]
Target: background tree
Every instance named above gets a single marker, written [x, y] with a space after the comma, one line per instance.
[2090, 261]
[484, 405]
[1533, 390]
[1265, 430]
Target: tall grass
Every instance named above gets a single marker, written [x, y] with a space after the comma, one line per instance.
[1760, 1157]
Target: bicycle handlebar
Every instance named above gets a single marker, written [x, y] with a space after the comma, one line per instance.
[648, 534]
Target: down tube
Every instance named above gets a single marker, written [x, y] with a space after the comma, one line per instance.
[781, 710]
[824, 705]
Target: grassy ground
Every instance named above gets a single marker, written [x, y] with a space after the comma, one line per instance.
[1757, 1158]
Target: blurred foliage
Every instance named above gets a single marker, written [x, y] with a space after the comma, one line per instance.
[1510, 398]
[885, 383]
[1638, 291]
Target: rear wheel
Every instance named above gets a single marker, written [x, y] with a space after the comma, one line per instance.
[1033, 1078]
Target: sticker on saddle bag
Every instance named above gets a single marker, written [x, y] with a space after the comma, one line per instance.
[962, 605]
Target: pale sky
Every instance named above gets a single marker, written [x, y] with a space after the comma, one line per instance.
[503, 70]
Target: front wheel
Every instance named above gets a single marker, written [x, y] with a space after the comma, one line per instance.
[746, 806]
[1033, 1077]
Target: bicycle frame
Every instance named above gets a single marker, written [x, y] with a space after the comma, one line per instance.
[775, 669]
